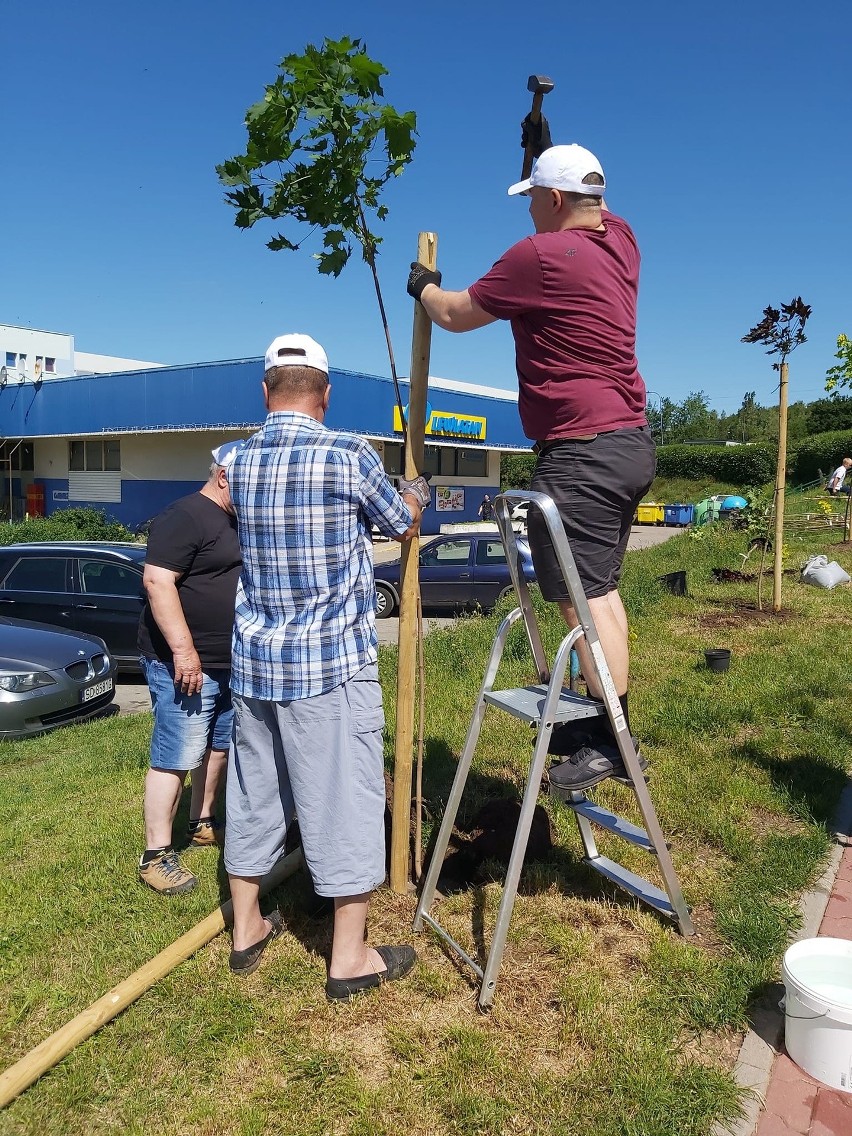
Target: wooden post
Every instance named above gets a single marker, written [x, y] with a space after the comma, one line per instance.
[780, 483]
[418, 380]
[51, 1051]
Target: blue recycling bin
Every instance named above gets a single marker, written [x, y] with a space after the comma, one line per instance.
[678, 514]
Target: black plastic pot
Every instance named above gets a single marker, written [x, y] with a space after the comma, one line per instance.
[719, 659]
[675, 582]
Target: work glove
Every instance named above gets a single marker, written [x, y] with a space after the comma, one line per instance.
[418, 488]
[536, 135]
[419, 277]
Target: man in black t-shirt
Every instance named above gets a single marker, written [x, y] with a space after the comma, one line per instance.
[192, 567]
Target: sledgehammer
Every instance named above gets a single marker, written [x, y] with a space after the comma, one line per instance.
[536, 134]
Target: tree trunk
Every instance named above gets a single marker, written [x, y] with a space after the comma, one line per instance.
[780, 482]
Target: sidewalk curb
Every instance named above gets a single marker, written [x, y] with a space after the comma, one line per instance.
[753, 1069]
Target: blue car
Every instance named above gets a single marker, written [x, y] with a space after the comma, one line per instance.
[461, 571]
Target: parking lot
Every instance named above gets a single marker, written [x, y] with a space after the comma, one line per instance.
[131, 694]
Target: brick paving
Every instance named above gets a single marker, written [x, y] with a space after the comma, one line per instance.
[796, 1104]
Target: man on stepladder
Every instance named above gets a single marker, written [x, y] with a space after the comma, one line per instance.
[570, 293]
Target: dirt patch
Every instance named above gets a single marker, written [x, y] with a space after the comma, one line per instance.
[743, 613]
[732, 576]
[714, 1050]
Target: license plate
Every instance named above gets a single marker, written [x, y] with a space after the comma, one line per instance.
[96, 689]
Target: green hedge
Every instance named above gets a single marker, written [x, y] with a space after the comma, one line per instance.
[66, 524]
[822, 452]
[741, 465]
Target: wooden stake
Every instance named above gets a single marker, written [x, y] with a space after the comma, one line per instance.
[780, 482]
[418, 380]
[51, 1051]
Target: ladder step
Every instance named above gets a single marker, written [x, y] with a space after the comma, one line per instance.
[643, 889]
[527, 703]
[612, 823]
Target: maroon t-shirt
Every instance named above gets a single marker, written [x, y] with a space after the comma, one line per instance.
[571, 299]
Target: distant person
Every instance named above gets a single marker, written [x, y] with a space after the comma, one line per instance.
[486, 509]
[192, 566]
[837, 481]
[569, 293]
[305, 681]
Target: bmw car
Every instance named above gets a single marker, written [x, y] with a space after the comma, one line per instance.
[50, 678]
[94, 587]
[466, 570]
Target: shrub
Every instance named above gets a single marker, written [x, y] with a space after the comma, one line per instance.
[66, 524]
[823, 452]
[740, 465]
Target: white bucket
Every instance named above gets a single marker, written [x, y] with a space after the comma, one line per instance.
[817, 976]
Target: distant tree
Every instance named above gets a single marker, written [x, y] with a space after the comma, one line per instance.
[689, 420]
[840, 375]
[833, 413]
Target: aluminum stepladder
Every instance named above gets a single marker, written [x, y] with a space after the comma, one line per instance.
[544, 705]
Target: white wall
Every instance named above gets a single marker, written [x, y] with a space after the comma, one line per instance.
[85, 363]
[36, 345]
[170, 457]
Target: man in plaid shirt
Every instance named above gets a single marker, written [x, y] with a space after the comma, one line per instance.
[307, 701]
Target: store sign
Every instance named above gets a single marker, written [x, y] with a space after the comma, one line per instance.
[442, 424]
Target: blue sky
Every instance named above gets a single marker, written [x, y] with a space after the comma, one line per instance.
[723, 130]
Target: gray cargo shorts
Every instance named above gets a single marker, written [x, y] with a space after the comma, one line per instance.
[320, 759]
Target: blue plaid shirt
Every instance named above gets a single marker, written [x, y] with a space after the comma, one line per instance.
[305, 498]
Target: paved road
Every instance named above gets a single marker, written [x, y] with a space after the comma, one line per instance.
[132, 696]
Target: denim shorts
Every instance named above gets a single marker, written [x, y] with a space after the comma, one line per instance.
[187, 726]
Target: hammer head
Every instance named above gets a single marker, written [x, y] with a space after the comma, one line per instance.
[539, 84]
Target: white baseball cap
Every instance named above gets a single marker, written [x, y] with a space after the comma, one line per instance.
[563, 167]
[296, 351]
[223, 455]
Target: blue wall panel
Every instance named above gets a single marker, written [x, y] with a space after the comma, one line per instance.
[220, 395]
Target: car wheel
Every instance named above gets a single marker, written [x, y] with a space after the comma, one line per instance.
[385, 601]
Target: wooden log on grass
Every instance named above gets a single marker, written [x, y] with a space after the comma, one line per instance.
[51, 1051]
[409, 578]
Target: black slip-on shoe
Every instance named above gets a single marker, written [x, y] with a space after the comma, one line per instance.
[398, 960]
[247, 961]
[589, 765]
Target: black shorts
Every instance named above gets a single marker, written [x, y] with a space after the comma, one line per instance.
[596, 486]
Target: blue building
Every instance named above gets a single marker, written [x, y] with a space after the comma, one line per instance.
[131, 442]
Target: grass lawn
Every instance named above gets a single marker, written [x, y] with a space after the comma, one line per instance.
[606, 1021]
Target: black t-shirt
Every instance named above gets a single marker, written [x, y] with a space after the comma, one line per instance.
[197, 538]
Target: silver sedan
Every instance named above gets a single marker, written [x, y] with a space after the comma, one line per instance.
[50, 678]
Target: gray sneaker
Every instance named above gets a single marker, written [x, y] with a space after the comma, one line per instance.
[166, 875]
[589, 765]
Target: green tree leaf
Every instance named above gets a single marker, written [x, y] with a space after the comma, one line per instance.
[321, 145]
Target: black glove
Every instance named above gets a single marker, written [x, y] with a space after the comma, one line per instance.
[536, 135]
[418, 488]
[419, 277]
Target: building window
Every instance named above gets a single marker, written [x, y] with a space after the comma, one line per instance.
[11, 359]
[94, 456]
[20, 454]
[393, 458]
[49, 365]
[472, 463]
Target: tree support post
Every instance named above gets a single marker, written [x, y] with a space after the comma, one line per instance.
[421, 341]
[780, 483]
